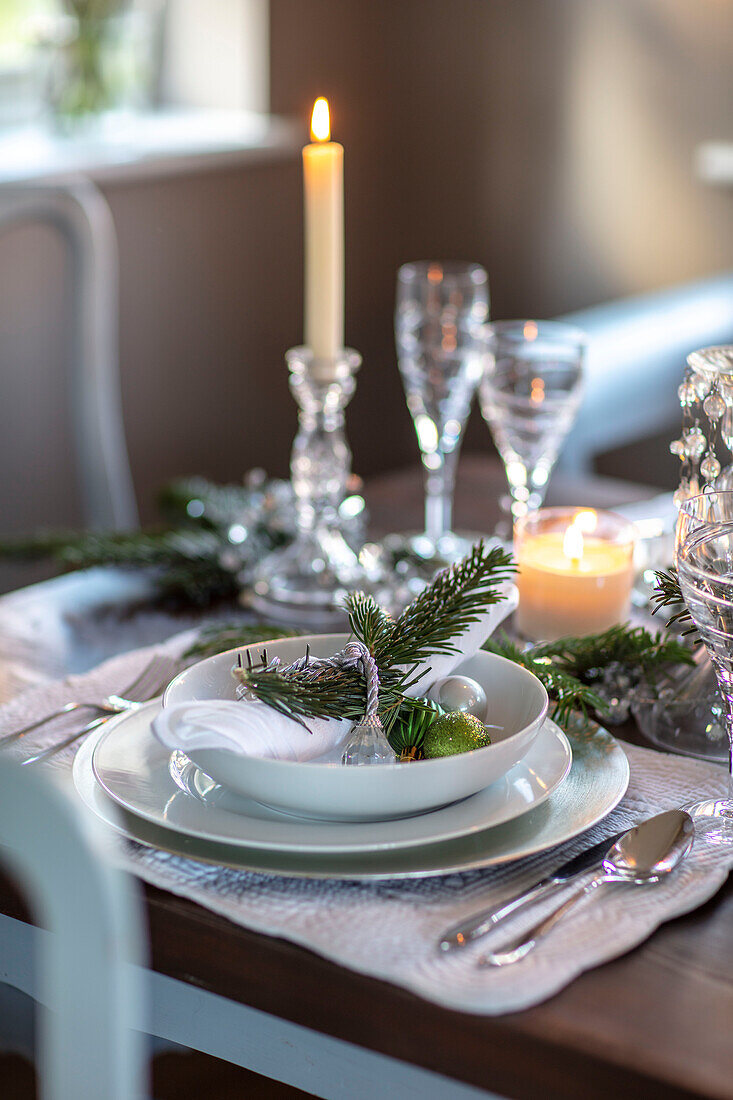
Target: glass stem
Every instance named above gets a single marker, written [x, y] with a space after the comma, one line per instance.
[726, 691]
[439, 485]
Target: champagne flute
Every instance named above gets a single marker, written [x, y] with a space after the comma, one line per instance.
[530, 396]
[440, 332]
[704, 559]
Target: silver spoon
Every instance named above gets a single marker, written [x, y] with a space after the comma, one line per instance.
[643, 855]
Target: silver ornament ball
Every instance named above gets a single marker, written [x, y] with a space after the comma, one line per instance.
[460, 693]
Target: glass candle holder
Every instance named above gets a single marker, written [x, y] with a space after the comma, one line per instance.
[305, 583]
[575, 571]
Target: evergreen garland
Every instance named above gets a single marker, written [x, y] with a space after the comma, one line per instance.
[202, 556]
[573, 670]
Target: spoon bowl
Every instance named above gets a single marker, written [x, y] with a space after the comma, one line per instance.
[642, 856]
[652, 849]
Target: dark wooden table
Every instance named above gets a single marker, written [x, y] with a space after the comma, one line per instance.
[655, 1023]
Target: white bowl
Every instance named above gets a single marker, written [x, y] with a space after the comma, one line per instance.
[517, 703]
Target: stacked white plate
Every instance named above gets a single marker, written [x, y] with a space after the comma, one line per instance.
[544, 795]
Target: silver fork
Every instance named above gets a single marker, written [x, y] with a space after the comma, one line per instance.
[51, 750]
[143, 684]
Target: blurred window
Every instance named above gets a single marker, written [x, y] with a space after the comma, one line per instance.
[186, 53]
[21, 69]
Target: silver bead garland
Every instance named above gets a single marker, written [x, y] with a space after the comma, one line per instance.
[706, 399]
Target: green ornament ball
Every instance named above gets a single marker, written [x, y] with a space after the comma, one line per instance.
[453, 733]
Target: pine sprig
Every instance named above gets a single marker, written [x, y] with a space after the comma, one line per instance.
[445, 609]
[369, 622]
[338, 693]
[571, 667]
[335, 693]
[215, 534]
[667, 593]
[567, 693]
[185, 563]
[220, 637]
[631, 646]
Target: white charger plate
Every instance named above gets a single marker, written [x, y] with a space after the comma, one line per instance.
[133, 768]
[596, 784]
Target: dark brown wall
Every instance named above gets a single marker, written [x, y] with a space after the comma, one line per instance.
[551, 140]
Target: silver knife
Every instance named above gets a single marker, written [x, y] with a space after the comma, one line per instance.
[473, 928]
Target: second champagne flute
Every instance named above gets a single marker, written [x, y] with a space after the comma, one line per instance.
[440, 332]
[530, 396]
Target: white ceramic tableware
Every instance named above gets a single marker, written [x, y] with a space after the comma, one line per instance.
[517, 704]
[134, 769]
[597, 781]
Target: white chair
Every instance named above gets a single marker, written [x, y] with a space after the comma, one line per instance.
[78, 210]
[90, 970]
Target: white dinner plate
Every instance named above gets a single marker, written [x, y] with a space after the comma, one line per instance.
[134, 769]
[597, 782]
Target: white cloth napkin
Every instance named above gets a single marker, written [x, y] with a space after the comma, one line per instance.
[247, 728]
[468, 643]
[253, 729]
[399, 922]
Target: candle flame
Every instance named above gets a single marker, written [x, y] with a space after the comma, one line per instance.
[572, 544]
[530, 331]
[320, 121]
[586, 521]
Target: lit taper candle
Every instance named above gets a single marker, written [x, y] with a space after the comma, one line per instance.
[323, 178]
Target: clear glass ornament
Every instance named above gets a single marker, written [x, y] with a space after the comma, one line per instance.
[701, 385]
[681, 494]
[714, 406]
[695, 442]
[710, 467]
[687, 394]
[724, 480]
[726, 427]
[677, 447]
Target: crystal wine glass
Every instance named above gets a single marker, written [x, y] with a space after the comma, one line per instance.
[530, 395]
[704, 558]
[440, 332]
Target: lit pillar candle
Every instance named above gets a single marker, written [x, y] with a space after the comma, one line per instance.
[575, 572]
[323, 179]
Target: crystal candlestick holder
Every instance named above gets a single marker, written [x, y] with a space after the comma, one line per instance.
[304, 584]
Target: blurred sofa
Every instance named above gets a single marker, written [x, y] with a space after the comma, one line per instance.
[635, 361]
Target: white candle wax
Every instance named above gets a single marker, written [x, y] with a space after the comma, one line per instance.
[572, 587]
[323, 179]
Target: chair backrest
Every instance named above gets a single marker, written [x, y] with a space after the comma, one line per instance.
[636, 360]
[90, 969]
[78, 210]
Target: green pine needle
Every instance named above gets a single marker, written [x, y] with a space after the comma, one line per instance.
[631, 646]
[448, 606]
[567, 693]
[454, 600]
[218, 637]
[570, 667]
[412, 720]
[369, 622]
[668, 593]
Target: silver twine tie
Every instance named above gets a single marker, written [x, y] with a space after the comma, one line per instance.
[366, 743]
